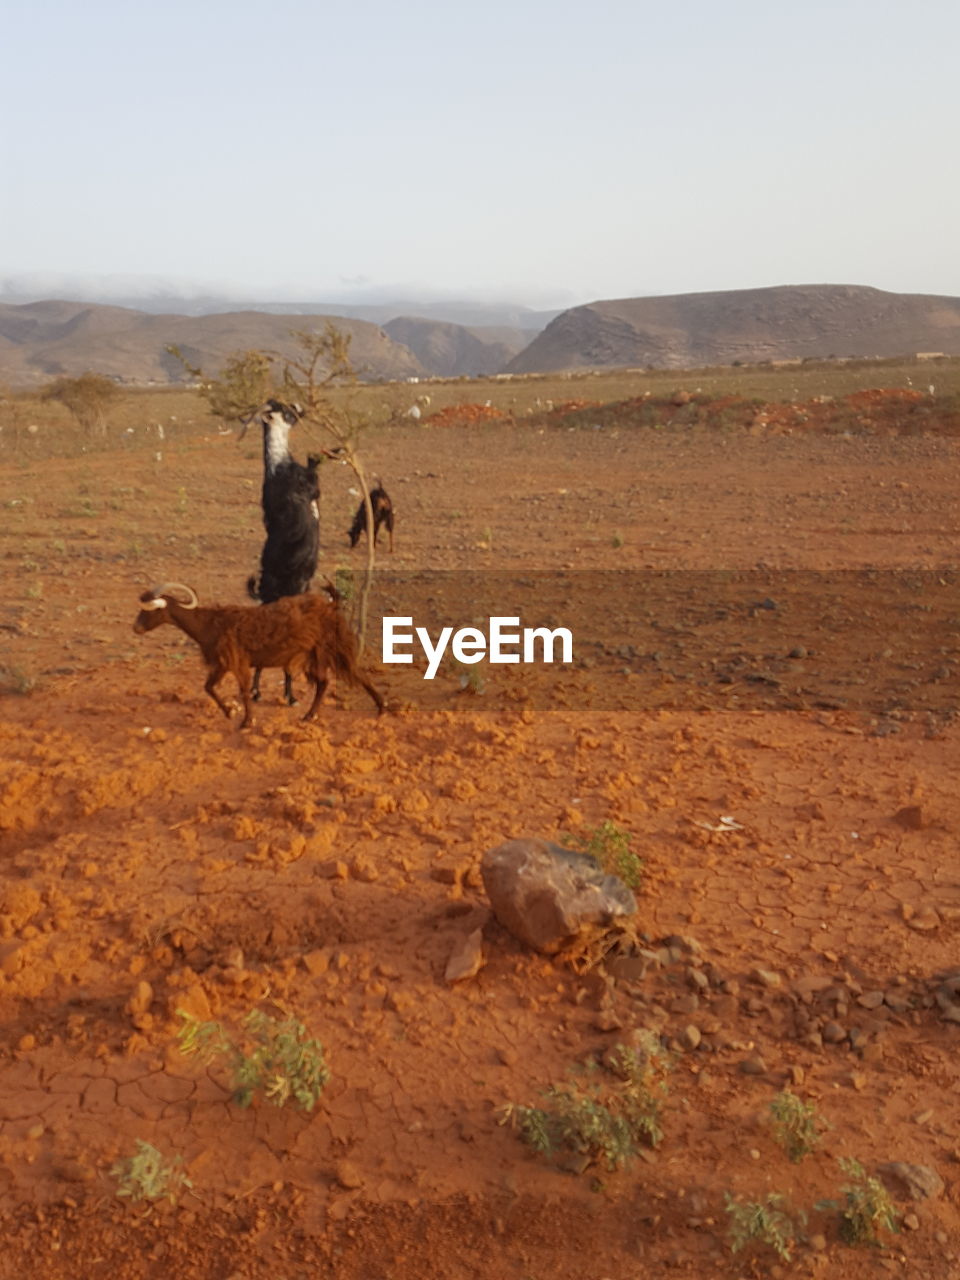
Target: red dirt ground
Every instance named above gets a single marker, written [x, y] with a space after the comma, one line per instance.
[155, 859]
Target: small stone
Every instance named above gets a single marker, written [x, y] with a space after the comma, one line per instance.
[766, 977]
[141, 999]
[911, 1181]
[817, 1243]
[316, 963]
[812, 984]
[363, 869]
[690, 1036]
[466, 959]
[607, 1020]
[628, 968]
[753, 1066]
[910, 817]
[447, 875]
[833, 1033]
[333, 869]
[924, 921]
[348, 1175]
[911, 1221]
[796, 1073]
[871, 999]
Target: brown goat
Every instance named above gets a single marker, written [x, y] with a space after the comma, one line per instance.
[296, 633]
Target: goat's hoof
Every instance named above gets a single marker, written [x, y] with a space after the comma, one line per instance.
[255, 697]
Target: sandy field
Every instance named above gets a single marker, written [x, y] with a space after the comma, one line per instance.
[784, 654]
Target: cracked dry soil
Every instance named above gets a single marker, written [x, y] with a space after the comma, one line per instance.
[154, 859]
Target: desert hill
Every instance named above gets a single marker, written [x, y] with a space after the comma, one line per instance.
[688, 330]
[453, 350]
[42, 340]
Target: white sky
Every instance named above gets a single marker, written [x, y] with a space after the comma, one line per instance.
[541, 151]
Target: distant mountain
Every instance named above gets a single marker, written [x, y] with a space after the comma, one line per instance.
[684, 331]
[42, 340]
[452, 350]
[168, 301]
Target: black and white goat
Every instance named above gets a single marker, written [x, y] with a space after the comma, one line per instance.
[290, 499]
[382, 509]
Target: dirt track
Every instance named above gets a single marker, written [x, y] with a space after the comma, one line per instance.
[154, 860]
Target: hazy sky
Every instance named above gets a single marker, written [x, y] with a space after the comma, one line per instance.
[535, 150]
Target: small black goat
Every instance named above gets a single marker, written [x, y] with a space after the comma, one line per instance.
[305, 633]
[382, 515]
[290, 499]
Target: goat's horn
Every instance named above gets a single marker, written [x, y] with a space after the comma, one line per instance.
[178, 590]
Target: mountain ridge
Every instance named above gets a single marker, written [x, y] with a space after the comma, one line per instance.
[747, 325]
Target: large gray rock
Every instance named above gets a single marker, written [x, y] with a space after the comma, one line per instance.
[548, 896]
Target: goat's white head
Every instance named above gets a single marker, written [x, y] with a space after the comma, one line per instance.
[274, 413]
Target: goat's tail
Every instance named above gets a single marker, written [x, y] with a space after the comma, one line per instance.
[253, 587]
[345, 661]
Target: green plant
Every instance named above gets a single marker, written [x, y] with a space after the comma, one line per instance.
[609, 846]
[148, 1176]
[345, 585]
[605, 1116]
[272, 1056]
[617, 541]
[471, 681]
[866, 1208]
[796, 1126]
[765, 1221]
[245, 381]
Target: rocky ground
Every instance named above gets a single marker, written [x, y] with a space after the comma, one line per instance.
[797, 913]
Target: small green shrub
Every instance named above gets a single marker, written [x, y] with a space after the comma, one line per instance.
[609, 846]
[606, 1116]
[272, 1056]
[866, 1208]
[345, 585]
[470, 679]
[764, 1221]
[796, 1125]
[148, 1176]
